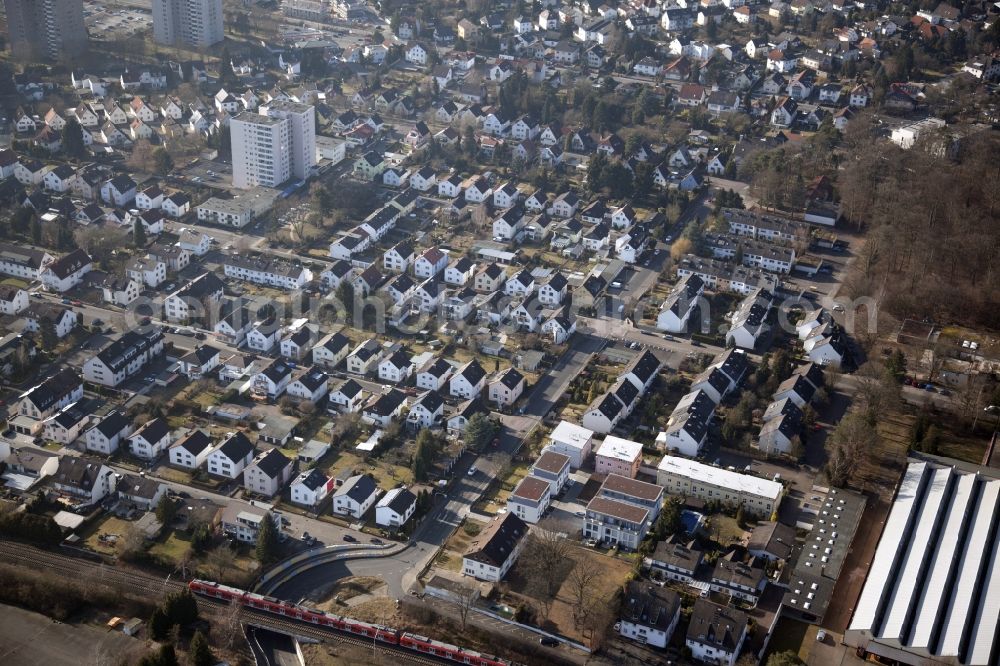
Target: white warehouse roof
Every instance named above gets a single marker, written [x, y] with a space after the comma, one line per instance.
[933, 588]
[723, 478]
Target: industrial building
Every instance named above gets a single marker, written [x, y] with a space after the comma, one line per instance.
[933, 589]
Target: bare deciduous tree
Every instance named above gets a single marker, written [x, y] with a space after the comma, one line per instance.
[851, 442]
[546, 555]
[231, 628]
[464, 602]
[581, 586]
[220, 560]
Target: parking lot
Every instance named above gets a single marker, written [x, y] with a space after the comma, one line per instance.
[115, 22]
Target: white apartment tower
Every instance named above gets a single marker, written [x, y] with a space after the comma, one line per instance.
[273, 146]
[196, 23]
[261, 147]
[302, 129]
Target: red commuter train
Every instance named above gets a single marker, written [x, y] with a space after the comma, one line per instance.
[383, 634]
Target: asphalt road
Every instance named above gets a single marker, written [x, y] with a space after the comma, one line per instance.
[400, 571]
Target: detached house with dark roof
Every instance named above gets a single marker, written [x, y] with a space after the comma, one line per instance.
[86, 480]
[468, 382]
[382, 409]
[311, 487]
[107, 435]
[67, 271]
[674, 560]
[395, 508]
[199, 362]
[141, 491]
[495, 549]
[190, 451]
[268, 473]
[119, 191]
[232, 456]
[355, 496]
[649, 614]
[716, 633]
[150, 440]
[507, 388]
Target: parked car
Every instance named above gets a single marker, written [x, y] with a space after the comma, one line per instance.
[548, 641]
[350, 539]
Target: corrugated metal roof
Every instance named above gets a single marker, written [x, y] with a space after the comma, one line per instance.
[911, 566]
[942, 567]
[976, 549]
[880, 574]
[983, 638]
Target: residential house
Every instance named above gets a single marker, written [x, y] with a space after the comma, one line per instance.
[232, 456]
[395, 508]
[190, 451]
[356, 496]
[268, 473]
[494, 550]
[108, 433]
[311, 487]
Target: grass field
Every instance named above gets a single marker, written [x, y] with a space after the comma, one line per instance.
[111, 528]
[450, 557]
[172, 547]
[386, 474]
[560, 618]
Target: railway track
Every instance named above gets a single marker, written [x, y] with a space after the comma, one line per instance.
[144, 584]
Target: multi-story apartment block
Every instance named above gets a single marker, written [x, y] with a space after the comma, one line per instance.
[689, 478]
[301, 121]
[124, 357]
[196, 23]
[261, 150]
[45, 29]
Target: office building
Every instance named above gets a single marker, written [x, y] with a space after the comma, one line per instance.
[195, 23]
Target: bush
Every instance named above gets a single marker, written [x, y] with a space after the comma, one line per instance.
[472, 529]
[30, 527]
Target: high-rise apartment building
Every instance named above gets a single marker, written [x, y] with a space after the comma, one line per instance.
[273, 146]
[302, 119]
[261, 150]
[196, 23]
[45, 29]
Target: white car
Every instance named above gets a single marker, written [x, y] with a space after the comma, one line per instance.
[472, 471]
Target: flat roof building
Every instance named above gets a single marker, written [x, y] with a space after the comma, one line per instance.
[690, 478]
[618, 456]
[933, 587]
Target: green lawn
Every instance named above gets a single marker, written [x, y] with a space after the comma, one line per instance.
[172, 547]
[14, 282]
[109, 526]
[387, 475]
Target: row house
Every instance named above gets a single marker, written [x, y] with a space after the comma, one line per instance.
[124, 357]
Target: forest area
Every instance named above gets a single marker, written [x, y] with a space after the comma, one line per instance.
[933, 226]
[930, 216]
